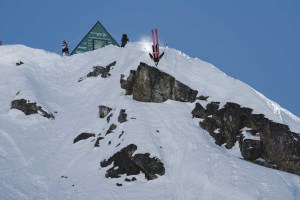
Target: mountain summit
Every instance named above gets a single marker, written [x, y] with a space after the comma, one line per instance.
[107, 124]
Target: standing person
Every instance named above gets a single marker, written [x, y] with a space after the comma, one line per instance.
[1, 42]
[124, 40]
[65, 49]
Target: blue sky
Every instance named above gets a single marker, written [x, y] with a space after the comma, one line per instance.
[257, 42]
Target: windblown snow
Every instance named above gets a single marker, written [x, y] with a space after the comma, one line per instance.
[38, 159]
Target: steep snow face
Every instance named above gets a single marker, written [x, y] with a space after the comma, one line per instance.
[38, 159]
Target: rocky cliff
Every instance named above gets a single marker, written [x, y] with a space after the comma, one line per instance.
[260, 140]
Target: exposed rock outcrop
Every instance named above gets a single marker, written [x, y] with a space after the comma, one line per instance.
[99, 70]
[97, 143]
[125, 163]
[271, 141]
[29, 108]
[83, 136]
[148, 84]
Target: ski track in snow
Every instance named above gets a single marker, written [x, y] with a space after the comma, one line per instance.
[36, 153]
[14, 147]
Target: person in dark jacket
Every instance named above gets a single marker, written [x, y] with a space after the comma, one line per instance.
[65, 49]
[124, 40]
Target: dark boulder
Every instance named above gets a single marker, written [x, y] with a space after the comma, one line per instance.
[97, 143]
[19, 63]
[103, 111]
[122, 116]
[83, 136]
[111, 128]
[202, 98]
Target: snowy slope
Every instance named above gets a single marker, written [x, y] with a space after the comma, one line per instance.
[36, 152]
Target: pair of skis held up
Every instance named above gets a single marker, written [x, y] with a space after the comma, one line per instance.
[155, 48]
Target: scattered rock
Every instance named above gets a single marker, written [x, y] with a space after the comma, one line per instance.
[122, 116]
[125, 163]
[103, 111]
[83, 136]
[121, 134]
[130, 180]
[111, 128]
[148, 84]
[202, 98]
[19, 63]
[97, 143]
[108, 118]
[119, 184]
[29, 108]
[118, 144]
[99, 70]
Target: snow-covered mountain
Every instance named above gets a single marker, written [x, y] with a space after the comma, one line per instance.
[39, 159]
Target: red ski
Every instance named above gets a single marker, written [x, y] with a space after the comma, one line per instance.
[155, 47]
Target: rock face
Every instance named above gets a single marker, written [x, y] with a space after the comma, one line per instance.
[99, 70]
[29, 108]
[83, 136]
[148, 84]
[125, 163]
[258, 136]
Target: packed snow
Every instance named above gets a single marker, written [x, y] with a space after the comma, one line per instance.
[38, 159]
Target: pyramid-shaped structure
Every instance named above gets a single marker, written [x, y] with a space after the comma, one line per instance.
[96, 38]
